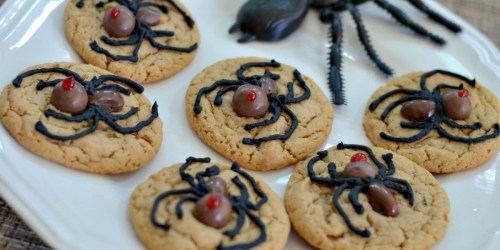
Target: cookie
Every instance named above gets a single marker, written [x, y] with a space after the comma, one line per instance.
[82, 117]
[145, 41]
[258, 112]
[203, 205]
[356, 197]
[442, 121]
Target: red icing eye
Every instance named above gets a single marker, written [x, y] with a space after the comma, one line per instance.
[68, 83]
[251, 96]
[463, 93]
[358, 157]
[213, 201]
[114, 13]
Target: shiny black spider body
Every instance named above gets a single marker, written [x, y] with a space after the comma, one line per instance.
[142, 31]
[436, 121]
[283, 15]
[92, 113]
[198, 188]
[278, 103]
[357, 185]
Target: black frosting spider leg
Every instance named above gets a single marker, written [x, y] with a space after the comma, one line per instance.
[41, 85]
[275, 109]
[241, 76]
[132, 58]
[104, 78]
[290, 97]
[494, 134]
[424, 77]
[111, 120]
[336, 195]
[216, 84]
[412, 138]
[87, 115]
[42, 129]
[159, 199]
[262, 236]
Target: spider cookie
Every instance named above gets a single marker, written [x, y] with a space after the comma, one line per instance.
[441, 120]
[258, 112]
[82, 117]
[204, 205]
[144, 40]
[356, 197]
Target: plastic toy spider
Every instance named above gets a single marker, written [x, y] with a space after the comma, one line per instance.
[439, 116]
[357, 185]
[92, 113]
[142, 31]
[240, 203]
[273, 20]
[278, 103]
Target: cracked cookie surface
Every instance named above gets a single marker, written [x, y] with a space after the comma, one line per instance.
[104, 151]
[434, 152]
[188, 232]
[223, 130]
[315, 218]
[84, 25]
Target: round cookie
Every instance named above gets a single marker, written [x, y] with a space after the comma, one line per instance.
[443, 149]
[162, 49]
[156, 220]
[105, 142]
[419, 220]
[298, 120]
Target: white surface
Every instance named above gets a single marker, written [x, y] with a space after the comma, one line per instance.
[74, 210]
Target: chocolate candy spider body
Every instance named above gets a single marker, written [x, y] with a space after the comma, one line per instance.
[142, 30]
[198, 189]
[95, 111]
[272, 14]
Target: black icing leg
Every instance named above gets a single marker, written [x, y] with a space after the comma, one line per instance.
[353, 197]
[42, 129]
[336, 195]
[110, 120]
[365, 40]
[435, 16]
[382, 98]
[277, 114]
[156, 203]
[403, 19]
[495, 133]
[409, 139]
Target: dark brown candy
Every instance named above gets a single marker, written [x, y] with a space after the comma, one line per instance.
[213, 209]
[382, 200]
[119, 21]
[418, 110]
[250, 101]
[268, 85]
[456, 104]
[110, 100]
[69, 96]
[217, 184]
[148, 16]
[359, 169]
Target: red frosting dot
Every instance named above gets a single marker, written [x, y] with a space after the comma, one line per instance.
[358, 157]
[251, 96]
[213, 201]
[114, 13]
[68, 83]
[463, 93]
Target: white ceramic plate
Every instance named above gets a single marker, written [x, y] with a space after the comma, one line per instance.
[74, 210]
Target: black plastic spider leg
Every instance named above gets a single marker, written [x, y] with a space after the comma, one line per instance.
[277, 114]
[220, 93]
[178, 206]
[85, 116]
[135, 86]
[162, 7]
[17, 81]
[435, 16]
[290, 98]
[403, 19]
[127, 115]
[293, 126]
[187, 18]
[423, 78]
[42, 84]
[335, 80]
[240, 221]
[353, 197]
[310, 169]
[394, 104]
[367, 150]
[156, 203]
[415, 125]
[454, 124]
[132, 40]
[240, 72]
[197, 107]
[182, 170]
[409, 139]
[263, 197]
[336, 195]
[42, 129]
[391, 168]
[382, 98]
[407, 192]
[110, 120]
[262, 236]
[494, 134]
[365, 40]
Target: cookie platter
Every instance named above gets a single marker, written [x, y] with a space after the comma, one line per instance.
[71, 209]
